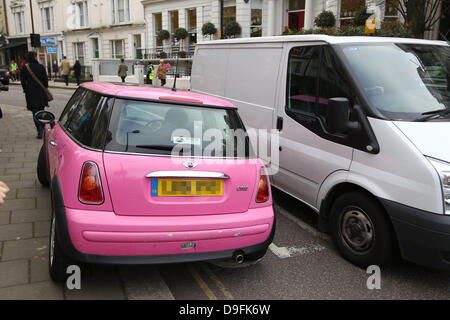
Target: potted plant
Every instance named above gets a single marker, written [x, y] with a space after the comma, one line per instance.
[163, 35]
[180, 34]
[208, 29]
[231, 29]
[325, 19]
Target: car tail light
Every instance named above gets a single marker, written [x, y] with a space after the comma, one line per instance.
[90, 190]
[263, 187]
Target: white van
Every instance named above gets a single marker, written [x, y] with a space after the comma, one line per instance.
[364, 126]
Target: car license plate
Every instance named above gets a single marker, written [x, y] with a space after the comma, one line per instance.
[186, 188]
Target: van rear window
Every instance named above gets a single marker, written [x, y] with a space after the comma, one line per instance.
[172, 129]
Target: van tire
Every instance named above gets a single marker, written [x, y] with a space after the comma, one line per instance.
[42, 171]
[361, 230]
[57, 260]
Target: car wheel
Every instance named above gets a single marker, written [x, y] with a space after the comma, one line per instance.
[42, 171]
[362, 231]
[58, 261]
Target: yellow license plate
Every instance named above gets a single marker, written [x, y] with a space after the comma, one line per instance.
[186, 187]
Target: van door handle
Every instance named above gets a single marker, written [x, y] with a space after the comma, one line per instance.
[280, 123]
[53, 143]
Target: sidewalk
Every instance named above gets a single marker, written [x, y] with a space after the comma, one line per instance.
[52, 84]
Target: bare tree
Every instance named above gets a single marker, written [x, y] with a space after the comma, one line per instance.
[421, 14]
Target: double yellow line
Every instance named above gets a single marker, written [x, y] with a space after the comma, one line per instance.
[202, 284]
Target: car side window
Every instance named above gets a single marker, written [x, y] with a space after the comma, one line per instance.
[303, 68]
[332, 82]
[101, 123]
[70, 107]
[82, 122]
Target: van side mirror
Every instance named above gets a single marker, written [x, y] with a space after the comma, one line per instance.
[338, 113]
[45, 117]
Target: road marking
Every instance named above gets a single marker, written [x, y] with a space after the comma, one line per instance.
[202, 283]
[289, 252]
[144, 283]
[218, 283]
[301, 224]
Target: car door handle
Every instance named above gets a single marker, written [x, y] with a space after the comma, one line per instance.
[53, 143]
[280, 123]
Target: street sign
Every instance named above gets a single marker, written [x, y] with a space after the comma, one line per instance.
[48, 41]
[52, 50]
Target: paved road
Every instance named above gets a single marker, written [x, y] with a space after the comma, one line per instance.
[302, 263]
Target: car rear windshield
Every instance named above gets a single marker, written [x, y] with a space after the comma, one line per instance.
[158, 128]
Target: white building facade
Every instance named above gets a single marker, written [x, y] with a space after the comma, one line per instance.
[256, 17]
[105, 29]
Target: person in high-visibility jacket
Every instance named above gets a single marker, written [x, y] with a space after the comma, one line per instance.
[150, 74]
[14, 70]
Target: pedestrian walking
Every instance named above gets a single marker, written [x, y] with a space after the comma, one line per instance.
[33, 78]
[65, 70]
[150, 74]
[122, 70]
[161, 72]
[77, 71]
[14, 70]
[3, 191]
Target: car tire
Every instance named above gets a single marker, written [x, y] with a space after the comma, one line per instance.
[42, 171]
[57, 261]
[362, 231]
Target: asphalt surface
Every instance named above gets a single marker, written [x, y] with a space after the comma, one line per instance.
[302, 263]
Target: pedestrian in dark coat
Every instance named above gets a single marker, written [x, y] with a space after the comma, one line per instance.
[35, 96]
[77, 71]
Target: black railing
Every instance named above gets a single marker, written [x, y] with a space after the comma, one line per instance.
[168, 52]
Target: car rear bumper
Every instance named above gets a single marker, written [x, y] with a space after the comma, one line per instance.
[106, 238]
[424, 237]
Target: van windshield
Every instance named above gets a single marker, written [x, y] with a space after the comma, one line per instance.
[180, 130]
[403, 81]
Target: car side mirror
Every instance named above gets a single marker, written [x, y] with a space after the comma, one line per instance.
[338, 113]
[45, 117]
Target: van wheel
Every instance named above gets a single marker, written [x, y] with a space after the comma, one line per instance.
[42, 171]
[57, 260]
[362, 231]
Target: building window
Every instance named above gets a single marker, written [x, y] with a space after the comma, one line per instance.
[157, 18]
[173, 22]
[348, 10]
[19, 19]
[390, 10]
[47, 18]
[80, 14]
[78, 50]
[256, 14]
[296, 14]
[117, 49]
[229, 11]
[192, 25]
[120, 11]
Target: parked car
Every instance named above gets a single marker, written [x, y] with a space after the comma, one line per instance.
[122, 193]
[4, 79]
[363, 128]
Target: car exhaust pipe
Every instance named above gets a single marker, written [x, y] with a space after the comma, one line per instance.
[239, 257]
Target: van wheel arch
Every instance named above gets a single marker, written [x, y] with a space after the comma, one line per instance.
[335, 193]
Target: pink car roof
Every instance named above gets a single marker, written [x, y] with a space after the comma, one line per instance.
[144, 92]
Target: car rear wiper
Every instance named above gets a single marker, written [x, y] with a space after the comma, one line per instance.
[433, 114]
[155, 146]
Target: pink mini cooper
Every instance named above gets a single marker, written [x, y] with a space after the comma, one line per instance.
[147, 176]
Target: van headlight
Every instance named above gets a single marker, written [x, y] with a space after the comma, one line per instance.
[443, 169]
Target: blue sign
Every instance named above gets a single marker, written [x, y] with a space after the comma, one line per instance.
[52, 50]
[48, 41]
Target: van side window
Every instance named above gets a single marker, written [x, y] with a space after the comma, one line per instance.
[303, 68]
[332, 83]
[70, 107]
[81, 123]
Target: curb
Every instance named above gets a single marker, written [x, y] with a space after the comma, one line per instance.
[50, 86]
